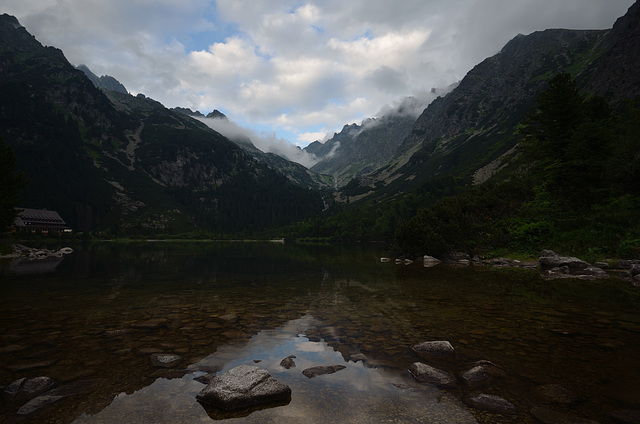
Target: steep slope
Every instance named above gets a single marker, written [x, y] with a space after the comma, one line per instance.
[468, 132]
[105, 82]
[471, 132]
[106, 159]
[295, 172]
[617, 73]
[362, 149]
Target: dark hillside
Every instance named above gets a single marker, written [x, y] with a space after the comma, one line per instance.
[109, 161]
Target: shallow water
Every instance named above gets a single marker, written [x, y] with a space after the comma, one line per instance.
[94, 319]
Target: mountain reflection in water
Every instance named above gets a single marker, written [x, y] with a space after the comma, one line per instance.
[357, 394]
[93, 324]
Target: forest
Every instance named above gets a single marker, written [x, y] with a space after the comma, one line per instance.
[574, 185]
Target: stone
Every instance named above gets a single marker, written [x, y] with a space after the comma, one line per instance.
[627, 264]
[165, 360]
[16, 387]
[321, 370]
[242, 387]
[438, 350]
[424, 373]
[355, 357]
[456, 256]
[38, 403]
[492, 403]
[550, 259]
[430, 261]
[555, 393]
[75, 388]
[551, 416]
[288, 362]
[595, 272]
[476, 377]
[37, 385]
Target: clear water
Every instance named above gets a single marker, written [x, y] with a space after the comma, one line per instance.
[94, 319]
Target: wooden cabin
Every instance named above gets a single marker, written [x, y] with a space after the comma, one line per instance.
[39, 221]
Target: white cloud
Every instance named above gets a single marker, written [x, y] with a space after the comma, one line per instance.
[266, 142]
[297, 67]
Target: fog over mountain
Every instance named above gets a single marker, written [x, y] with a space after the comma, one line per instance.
[299, 69]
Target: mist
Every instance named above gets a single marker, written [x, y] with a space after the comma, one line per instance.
[265, 142]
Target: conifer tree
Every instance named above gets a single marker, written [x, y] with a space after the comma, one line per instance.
[10, 186]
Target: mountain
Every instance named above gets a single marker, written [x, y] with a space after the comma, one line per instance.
[104, 82]
[107, 160]
[295, 172]
[471, 132]
[362, 149]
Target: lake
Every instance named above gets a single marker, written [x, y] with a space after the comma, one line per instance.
[93, 320]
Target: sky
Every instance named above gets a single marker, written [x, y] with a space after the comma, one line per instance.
[292, 71]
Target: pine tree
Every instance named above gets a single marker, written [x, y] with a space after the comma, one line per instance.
[10, 185]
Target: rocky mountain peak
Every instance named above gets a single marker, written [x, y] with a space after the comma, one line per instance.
[14, 36]
[105, 82]
[216, 114]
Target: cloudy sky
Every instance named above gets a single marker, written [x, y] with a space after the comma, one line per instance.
[293, 70]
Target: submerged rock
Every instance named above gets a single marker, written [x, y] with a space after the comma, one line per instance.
[165, 360]
[555, 393]
[321, 370]
[438, 350]
[37, 385]
[481, 375]
[243, 387]
[15, 387]
[424, 373]
[38, 403]
[492, 403]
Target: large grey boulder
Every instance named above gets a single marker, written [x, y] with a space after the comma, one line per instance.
[244, 386]
[439, 350]
[550, 259]
[424, 373]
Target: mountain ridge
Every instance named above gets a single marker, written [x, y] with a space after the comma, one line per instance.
[109, 160]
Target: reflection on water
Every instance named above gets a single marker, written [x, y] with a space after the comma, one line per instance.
[23, 266]
[357, 394]
[94, 324]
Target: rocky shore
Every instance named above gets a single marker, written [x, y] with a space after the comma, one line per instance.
[550, 265]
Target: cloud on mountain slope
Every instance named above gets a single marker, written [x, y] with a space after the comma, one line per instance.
[298, 68]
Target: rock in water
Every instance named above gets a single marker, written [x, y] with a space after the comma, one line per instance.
[243, 387]
[439, 350]
[288, 362]
[424, 373]
[38, 403]
[321, 370]
[165, 360]
[492, 403]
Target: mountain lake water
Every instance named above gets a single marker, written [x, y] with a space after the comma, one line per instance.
[92, 321]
